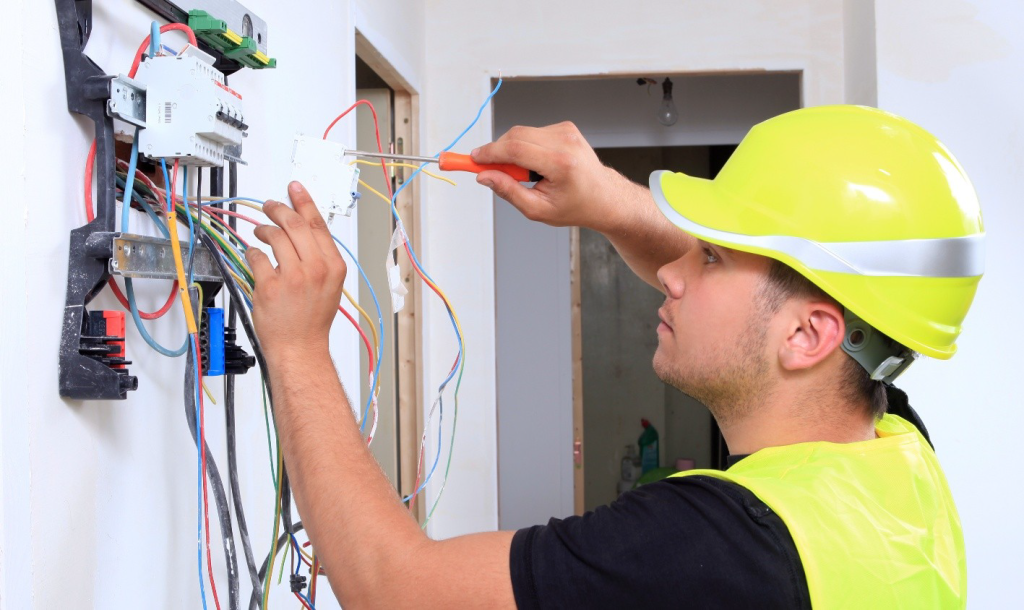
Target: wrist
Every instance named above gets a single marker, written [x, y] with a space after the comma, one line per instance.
[621, 200]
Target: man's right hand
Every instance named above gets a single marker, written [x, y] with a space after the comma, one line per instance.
[577, 189]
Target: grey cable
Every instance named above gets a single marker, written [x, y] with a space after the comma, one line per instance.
[216, 483]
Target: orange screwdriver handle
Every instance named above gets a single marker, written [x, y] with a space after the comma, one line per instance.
[453, 162]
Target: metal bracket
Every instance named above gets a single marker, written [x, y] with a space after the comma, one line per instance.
[127, 101]
[141, 256]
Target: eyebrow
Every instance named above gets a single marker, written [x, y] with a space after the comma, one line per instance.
[721, 250]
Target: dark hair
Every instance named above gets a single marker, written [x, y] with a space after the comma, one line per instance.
[784, 283]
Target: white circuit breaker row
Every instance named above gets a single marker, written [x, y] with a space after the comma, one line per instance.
[191, 115]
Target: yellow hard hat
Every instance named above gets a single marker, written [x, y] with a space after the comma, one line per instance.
[867, 205]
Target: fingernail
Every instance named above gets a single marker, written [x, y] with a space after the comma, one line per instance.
[295, 187]
[486, 183]
[475, 151]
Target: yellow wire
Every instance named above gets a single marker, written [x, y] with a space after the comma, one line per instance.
[179, 267]
[396, 164]
[209, 394]
[373, 329]
[440, 292]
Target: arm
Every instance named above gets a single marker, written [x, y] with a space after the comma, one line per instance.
[374, 553]
[578, 190]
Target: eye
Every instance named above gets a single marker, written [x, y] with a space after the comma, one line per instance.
[709, 256]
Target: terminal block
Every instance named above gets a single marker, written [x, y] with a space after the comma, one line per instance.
[191, 114]
[219, 352]
[102, 340]
[216, 33]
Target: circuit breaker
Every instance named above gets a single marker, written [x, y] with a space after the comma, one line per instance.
[329, 177]
[191, 114]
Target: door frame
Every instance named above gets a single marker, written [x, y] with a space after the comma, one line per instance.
[408, 323]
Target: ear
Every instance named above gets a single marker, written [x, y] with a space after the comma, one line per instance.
[815, 332]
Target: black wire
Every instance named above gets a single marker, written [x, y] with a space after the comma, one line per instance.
[229, 416]
[213, 474]
[198, 226]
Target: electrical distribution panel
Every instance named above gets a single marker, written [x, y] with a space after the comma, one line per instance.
[191, 115]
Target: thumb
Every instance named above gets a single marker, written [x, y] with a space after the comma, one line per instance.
[522, 198]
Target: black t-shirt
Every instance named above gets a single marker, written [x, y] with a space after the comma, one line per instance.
[686, 542]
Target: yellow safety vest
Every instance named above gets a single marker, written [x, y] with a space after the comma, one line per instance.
[874, 521]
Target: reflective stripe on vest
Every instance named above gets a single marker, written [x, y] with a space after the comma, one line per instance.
[874, 521]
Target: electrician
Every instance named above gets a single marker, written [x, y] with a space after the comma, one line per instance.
[836, 245]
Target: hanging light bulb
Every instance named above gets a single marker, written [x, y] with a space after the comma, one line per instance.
[667, 113]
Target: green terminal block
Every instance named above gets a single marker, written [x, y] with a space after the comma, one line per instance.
[216, 33]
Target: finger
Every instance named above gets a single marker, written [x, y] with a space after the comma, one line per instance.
[280, 243]
[551, 136]
[545, 161]
[296, 227]
[524, 199]
[260, 264]
[306, 208]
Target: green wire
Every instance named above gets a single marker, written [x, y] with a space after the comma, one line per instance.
[451, 446]
[270, 446]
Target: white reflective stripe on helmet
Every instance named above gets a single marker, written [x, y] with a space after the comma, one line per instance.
[941, 257]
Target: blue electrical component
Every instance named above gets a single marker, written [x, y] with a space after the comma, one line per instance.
[216, 342]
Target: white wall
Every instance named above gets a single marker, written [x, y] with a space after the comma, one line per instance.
[99, 498]
[468, 43]
[955, 67]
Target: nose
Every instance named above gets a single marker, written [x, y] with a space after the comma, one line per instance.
[671, 278]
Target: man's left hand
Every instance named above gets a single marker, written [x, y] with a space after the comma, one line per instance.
[294, 304]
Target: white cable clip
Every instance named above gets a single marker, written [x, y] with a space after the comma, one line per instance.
[398, 289]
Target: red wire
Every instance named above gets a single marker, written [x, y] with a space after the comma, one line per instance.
[145, 43]
[369, 350]
[202, 436]
[90, 215]
[405, 243]
[312, 577]
[304, 604]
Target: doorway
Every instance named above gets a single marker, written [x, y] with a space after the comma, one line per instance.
[575, 327]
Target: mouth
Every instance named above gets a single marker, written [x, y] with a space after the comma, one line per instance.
[664, 326]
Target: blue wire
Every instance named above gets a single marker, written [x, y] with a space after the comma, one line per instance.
[145, 206]
[199, 476]
[169, 50]
[412, 253]
[230, 199]
[380, 323]
[154, 38]
[129, 285]
[191, 226]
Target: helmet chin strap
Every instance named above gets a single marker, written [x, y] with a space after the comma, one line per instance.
[880, 356]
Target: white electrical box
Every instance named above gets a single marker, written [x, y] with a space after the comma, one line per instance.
[191, 115]
[321, 167]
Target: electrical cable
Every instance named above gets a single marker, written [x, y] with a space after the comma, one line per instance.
[213, 473]
[229, 417]
[193, 332]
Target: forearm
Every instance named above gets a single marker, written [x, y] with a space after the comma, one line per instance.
[641, 234]
[360, 528]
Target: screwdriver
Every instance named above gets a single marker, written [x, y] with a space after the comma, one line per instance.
[453, 162]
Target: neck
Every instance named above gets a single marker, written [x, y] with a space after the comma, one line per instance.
[786, 419]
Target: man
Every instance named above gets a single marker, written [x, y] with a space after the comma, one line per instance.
[836, 245]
